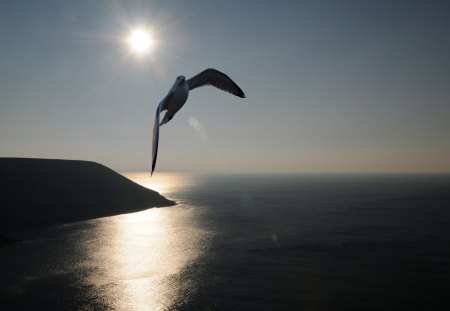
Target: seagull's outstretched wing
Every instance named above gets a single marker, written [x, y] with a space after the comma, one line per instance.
[161, 107]
[155, 138]
[215, 78]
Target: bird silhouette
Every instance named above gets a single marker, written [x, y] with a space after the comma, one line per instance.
[178, 94]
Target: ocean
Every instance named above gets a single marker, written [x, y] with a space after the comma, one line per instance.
[247, 242]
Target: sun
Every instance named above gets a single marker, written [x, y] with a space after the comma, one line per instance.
[140, 41]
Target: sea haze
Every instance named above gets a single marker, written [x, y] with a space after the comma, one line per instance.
[247, 242]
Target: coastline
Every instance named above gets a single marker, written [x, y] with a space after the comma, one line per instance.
[43, 192]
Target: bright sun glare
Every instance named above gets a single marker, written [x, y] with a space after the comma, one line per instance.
[140, 41]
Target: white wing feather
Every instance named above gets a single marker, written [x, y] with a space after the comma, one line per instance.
[156, 124]
[155, 137]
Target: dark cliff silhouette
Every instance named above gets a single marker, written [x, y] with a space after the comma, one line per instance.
[40, 192]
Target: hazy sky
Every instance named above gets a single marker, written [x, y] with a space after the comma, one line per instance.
[331, 85]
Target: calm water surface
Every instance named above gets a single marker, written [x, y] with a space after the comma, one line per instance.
[278, 242]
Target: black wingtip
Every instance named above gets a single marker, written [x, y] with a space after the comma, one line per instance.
[240, 93]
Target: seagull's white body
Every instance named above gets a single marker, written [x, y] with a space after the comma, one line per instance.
[178, 95]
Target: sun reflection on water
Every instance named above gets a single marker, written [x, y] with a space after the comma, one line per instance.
[140, 257]
[163, 182]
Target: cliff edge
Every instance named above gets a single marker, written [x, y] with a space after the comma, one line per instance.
[40, 192]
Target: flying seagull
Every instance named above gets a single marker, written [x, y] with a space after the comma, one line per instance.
[178, 95]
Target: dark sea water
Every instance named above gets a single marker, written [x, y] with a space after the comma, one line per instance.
[260, 242]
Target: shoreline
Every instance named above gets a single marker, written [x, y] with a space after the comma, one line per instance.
[44, 192]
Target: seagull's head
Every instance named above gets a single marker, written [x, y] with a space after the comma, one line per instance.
[181, 80]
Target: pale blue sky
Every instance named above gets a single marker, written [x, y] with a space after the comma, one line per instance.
[331, 85]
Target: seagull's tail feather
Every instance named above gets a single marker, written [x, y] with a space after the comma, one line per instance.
[155, 139]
